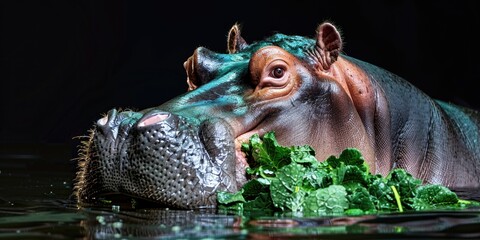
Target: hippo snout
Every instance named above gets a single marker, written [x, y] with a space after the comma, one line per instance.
[158, 156]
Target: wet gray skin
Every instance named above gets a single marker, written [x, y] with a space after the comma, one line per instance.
[161, 157]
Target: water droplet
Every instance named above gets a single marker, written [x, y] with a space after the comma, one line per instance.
[115, 208]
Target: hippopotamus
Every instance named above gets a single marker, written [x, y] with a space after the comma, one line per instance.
[305, 89]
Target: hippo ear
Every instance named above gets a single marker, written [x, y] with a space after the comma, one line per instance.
[328, 45]
[235, 42]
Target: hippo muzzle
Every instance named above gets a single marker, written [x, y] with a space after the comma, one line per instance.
[158, 156]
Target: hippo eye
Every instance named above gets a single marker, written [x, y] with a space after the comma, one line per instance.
[277, 72]
[274, 74]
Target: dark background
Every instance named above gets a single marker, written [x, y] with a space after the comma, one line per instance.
[64, 63]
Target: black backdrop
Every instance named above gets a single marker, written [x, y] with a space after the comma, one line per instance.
[63, 63]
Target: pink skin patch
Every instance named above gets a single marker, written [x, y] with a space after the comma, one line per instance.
[241, 163]
[154, 119]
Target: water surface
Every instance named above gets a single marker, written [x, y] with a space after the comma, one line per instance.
[36, 203]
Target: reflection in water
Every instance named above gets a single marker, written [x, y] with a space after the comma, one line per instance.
[202, 224]
[160, 222]
[35, 203]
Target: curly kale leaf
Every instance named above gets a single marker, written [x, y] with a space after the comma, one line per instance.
[286, 189]
[348, 169]
[361, 199]
[433, 196]
[265, 155]
[327, 201]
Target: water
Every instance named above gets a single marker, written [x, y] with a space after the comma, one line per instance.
[35, 203]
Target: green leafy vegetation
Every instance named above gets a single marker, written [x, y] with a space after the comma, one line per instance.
[291, 179]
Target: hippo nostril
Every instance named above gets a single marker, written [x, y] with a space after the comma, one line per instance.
[107, 125]
[153, 119]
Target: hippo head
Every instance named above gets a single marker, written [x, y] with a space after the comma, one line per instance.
[182, 152]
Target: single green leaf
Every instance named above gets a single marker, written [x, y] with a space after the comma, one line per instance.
[251, 189]
[353, 178]
[315, 178]
[304, 154]
[265, 155]
[286, 190]
[229, 198]
[353, 157]
[432, 196]
[330, 200]
[279, 155]
[291, 176]
[262, 202]
[354, 212]
[360, 198]
[230, 201]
